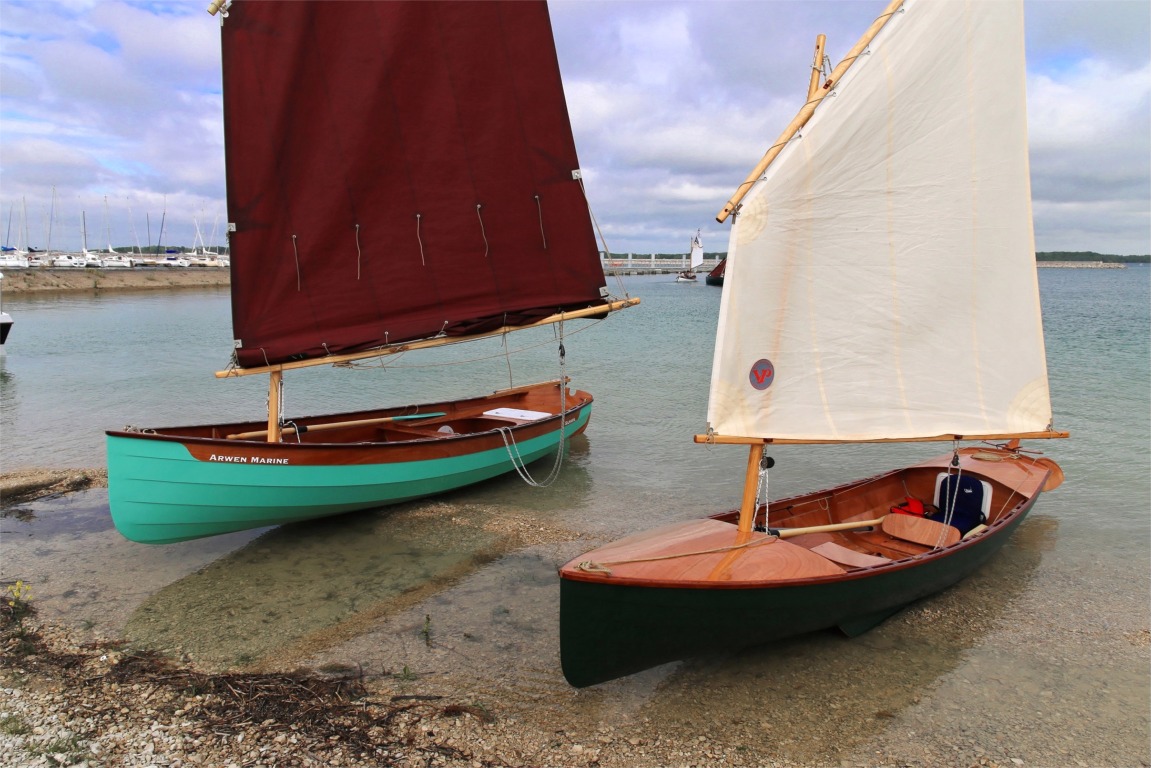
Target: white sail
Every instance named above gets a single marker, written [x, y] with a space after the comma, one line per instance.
[881, 278]
[696, 259]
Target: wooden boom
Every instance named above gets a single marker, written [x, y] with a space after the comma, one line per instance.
[366, 354]
[735, 440]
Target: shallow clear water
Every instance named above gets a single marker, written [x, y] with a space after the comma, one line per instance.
[1055, 611]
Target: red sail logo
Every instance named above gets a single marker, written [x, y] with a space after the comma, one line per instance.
[762, 374]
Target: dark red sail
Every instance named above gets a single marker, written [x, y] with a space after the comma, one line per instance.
[397, 170]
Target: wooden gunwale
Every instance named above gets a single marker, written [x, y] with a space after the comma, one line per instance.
[1002, 476]
[366, 452]
[988, 539]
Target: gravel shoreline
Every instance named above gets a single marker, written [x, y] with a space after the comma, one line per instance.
[70, 698]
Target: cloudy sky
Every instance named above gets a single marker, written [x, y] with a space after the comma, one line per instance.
[113, 110]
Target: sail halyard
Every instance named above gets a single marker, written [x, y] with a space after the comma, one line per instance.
[398, 172]
[881, 280]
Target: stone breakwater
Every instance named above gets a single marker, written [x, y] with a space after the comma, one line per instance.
[1081, 264]
[46, 280]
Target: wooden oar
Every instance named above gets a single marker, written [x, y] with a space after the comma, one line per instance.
[787, 533]
[334, 425]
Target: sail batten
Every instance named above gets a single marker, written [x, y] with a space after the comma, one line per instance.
[881, 281]
[384, 198]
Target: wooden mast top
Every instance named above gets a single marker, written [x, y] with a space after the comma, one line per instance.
[808, 109]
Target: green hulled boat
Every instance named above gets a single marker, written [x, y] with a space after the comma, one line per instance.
[401, 175]
[880, 286]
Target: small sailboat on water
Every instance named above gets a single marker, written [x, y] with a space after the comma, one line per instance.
[695, 260]
[883, 289]
[400, 175]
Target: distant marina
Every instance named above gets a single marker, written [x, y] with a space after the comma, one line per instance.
[188, 270]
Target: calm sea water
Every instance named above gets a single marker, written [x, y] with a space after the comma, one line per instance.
[79, 364]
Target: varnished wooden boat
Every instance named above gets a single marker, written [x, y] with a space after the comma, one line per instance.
[702, 586]
[418, 127]
[179, 483]
[914, 317]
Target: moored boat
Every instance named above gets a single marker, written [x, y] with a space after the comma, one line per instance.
[834, 558]
[443, 213]
[715, 277]
[915, 319]
[180, 483]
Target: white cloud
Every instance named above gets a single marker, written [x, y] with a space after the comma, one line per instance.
[672, 103]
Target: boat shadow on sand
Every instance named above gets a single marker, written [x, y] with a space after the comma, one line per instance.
[298, 588]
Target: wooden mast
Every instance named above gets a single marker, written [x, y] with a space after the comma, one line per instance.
[750, 486]
[816, 67]
[808, 109]
[275, 379]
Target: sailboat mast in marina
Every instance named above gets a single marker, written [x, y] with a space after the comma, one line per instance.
[880, 287]
[400, 175]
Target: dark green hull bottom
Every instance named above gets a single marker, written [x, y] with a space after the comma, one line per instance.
[608, 631]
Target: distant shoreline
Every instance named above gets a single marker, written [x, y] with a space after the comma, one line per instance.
[48, 280]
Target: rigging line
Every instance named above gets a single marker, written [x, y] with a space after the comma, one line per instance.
[599, 232]
[950, 499]
[487, 248]
[762, 486]
[296, 252]
[507, 358]
[359, 252]
[513, 448]
[420, 240]
[540, 208]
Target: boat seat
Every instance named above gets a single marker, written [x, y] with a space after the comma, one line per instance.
[970, 496]
[837, 553]
[920, 530]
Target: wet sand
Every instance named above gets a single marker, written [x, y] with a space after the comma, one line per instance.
[1012, 668]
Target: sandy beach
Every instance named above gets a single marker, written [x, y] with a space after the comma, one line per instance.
[74, 695]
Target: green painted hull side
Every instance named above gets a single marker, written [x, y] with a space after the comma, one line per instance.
[159, 494]
[611, 630]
